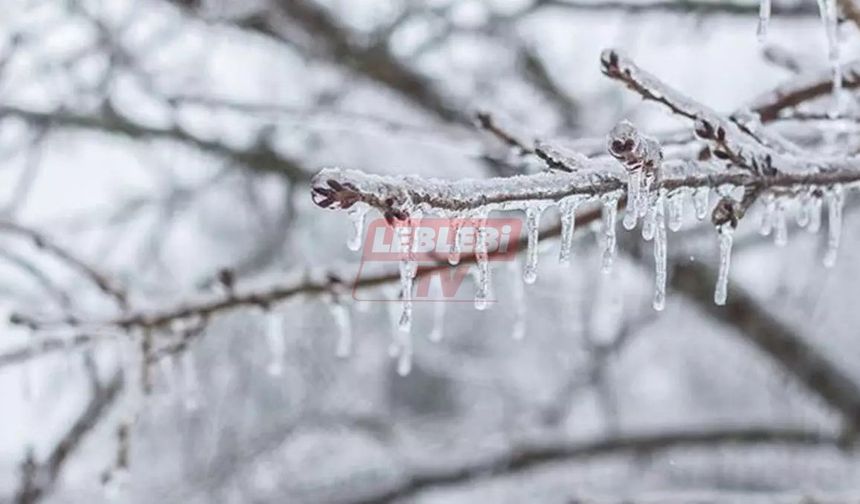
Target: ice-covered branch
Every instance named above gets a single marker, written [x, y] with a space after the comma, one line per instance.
[398, 196]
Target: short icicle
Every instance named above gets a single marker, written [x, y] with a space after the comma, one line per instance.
[780, 225]
[660, 254]
[533, 214]
[610, 211]
[835, 205]
[456, 242]
[726, 235]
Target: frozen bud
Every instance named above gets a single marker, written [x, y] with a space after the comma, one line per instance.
[726, 212]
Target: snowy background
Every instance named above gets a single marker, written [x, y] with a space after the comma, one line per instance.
[125, 128]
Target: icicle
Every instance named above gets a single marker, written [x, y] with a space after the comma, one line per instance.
[342, 320]
[407, 274]
[404, 357]
[835, 204]
[700, 201]
[438, 331]
[610, 211]
[763, 20]
[660, 252]
[829, 17]
[567, 208]
[518, 332]
[645, 193]
[454, 253]
[676, 210]
[482, 292]
[780, 236]
[803, 210]
[357, 214]
[277, 346]
[532, 228]
[726, 237]
[649, 224]
[634, 188]
[767, 216]
[814, 215]
[190, 385]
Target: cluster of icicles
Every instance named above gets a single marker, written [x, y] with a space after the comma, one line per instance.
[657, 210]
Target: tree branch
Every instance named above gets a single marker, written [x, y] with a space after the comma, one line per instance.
[39, 479]
[527, 458]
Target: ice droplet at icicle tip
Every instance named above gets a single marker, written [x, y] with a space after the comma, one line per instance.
[277, 346]
[357, 215]
[660, 253]
[567, 208]
[482, 289]
[726, 237]
[533, 214]
[835, 205]
[610, 212]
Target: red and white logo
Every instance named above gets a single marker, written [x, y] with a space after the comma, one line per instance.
[444, 251]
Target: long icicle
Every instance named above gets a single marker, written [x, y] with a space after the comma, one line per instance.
[660, 254]
[567, 208]
[533, 214]
[725, 232]
[610, 211]
[482, 292]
